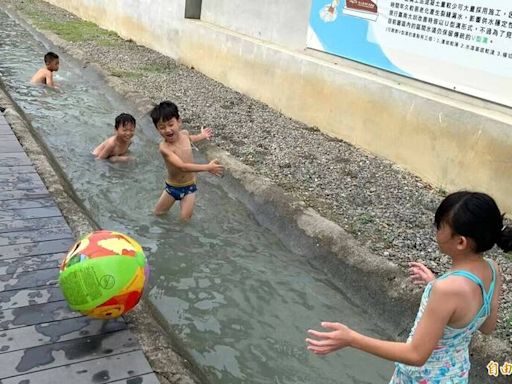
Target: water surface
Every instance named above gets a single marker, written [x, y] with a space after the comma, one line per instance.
[236, 296]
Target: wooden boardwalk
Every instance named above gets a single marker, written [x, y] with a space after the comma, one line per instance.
[41, 340]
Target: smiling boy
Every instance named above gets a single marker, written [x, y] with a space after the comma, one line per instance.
[115, 147]
[176, 149]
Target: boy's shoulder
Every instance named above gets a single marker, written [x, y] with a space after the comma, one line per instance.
[164, 146]
[110, 140]
[184, 134]
[40, 72]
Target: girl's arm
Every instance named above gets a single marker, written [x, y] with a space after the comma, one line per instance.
[440, 308]
[489, 324]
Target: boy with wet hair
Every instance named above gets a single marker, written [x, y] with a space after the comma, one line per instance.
[116, 147]
[45, 75]
[176, 149]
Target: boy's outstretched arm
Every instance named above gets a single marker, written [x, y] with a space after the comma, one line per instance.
[171, 158]
[206, 134]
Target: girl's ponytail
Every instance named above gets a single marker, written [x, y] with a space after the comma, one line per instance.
[505, 239]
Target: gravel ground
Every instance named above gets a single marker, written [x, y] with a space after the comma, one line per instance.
[385, 208]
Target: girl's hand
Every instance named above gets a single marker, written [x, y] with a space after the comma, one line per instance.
[340, 337]
[207, 133]
[420, 274]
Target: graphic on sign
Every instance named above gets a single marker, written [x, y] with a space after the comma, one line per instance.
[365, 9]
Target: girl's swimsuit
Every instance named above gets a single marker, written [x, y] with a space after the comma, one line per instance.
[449, 362]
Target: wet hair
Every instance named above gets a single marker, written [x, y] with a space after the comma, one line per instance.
[164, 112]
[124, 119]
[49, 57]
[475, 215]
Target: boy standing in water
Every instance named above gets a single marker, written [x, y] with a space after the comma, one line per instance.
[45, 75]
[116, 147]
[176, 150]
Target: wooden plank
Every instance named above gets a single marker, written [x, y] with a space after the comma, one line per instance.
[38, 202]
[27, 264]
[62, 330]
[145, 379]
[24, 181]
[37, 248]
[9, 138]
[32, 296]
[110, 369]
[32, 279]
[5, 130]
[35, 314]
[29, 213]
[10, 146]
[24, 177]
[41, 234]
[17, 169]
[34, 193]
[32, 224]
[62, 353]
[14, 159]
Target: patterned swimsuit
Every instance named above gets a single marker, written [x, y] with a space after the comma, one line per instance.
[449, 362]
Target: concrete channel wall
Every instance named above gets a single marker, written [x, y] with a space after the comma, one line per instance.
[259, 48]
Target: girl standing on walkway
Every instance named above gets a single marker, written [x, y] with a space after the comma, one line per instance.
[453, 306]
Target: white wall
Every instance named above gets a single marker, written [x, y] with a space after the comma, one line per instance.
[282, 22]
[154, 23]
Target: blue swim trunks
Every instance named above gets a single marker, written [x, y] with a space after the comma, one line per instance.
[179, 191]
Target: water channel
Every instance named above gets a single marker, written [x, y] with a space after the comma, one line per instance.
[236, 296]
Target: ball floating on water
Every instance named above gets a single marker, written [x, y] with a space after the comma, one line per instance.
[103, 274]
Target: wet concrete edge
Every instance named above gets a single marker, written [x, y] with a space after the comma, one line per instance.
[168, 360]
[377, 274]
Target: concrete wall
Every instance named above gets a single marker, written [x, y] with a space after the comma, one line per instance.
[153, 23]
[280, 22]
[450, 140]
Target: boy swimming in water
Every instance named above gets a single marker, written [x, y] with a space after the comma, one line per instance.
[176, 149]
[116, 147]
[45, 75]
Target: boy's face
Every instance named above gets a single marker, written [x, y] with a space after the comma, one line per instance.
[53, 65]
[169, 129]
[125, 132]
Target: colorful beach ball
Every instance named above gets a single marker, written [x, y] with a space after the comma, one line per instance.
[103, 274]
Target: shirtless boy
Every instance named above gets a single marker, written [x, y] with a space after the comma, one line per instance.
[116, 147]
[176, 150]
[45, 75]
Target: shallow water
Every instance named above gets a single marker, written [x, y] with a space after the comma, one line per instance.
[229, 288]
